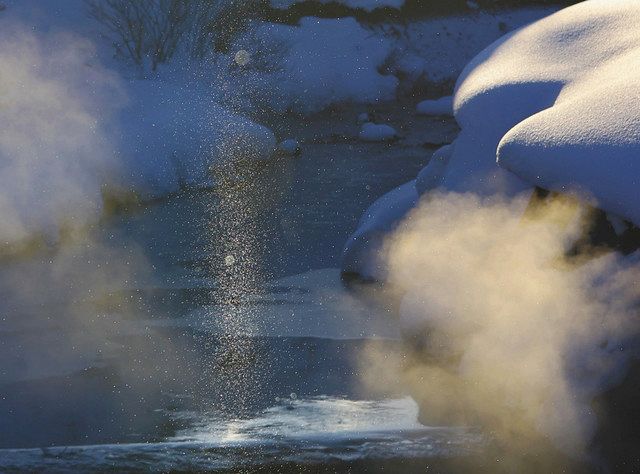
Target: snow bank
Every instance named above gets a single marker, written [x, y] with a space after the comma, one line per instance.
[571, 123]
[368, 5]
[308, 67]
[441, 106]
[170, 133]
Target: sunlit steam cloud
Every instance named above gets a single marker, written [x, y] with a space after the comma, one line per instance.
[55, 156]
[509, 334]
[65, 305]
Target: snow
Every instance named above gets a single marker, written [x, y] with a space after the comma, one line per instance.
[374, 132]
[579, 128]
[441, 106]
[170, 136]
[430, 177]
[362, 254]
[438, 49]
[320, 62]
[368, 5]
[571, 124]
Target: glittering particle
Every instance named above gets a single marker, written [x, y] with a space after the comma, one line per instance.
[229, 260]
[242, 57]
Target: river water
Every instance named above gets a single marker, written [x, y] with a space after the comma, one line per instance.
[209, 330]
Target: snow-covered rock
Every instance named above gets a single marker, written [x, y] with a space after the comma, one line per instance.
[289, 147]
[363, 118]
[377, 132]
[441, 106]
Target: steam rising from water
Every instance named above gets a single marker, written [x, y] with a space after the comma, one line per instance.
[63, 309]
[506, 332]
[54, 153]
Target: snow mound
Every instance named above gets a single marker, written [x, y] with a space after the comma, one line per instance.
[573, 121]
[375, 132]
[367, 5]
[244, 140]
[441, 106]
[170, 138]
